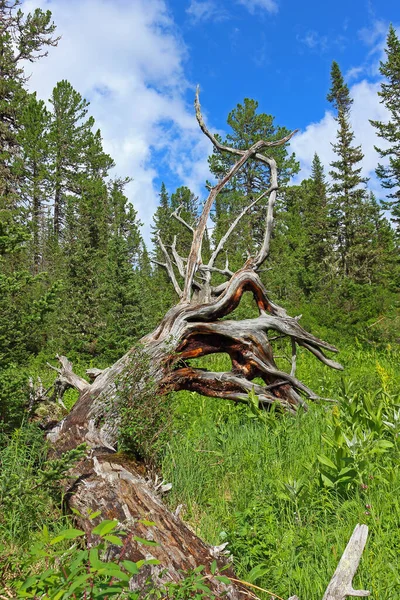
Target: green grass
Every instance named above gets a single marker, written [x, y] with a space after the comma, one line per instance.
[254, 480]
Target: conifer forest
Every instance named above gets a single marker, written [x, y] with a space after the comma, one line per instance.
[213, 412]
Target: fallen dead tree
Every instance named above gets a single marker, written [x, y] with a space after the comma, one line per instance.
[113, 484]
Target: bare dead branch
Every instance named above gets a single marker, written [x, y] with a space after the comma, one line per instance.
[169, 267]
[194, 258]
[341, 584]
[195, 253]
[321, 356]
[177, 216]
[178, 259]
[227, 272]
[223, 148]
[225, 237]
[294, 358]
[67, 375]
[264, 250]
[222, 385]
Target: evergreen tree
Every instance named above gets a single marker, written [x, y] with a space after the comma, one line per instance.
[349, 210]
[124, 294]
[84, 244]
[34, 186]
[161, 218]
[389, 174]
[74, 149]
[162, 222]
[21, 38]
[247, 127]
[167, 227]
[318, 251]
[23, 304]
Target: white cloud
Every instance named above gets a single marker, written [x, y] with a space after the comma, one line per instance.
[318, 137]
[375, 38]
[252, 6]
[354, 73]
[127, 59]
[205, 10]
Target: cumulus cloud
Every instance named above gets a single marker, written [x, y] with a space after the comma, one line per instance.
[252, 6]
[127, 59]
[318, 137]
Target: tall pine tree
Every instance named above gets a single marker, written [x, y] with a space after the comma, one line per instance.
[34, 184]
[389, 174]
[74, 149]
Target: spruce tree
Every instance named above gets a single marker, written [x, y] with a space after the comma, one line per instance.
[85, 234]
[171, 231]
[162, 222]
[389, 174]
[161, 218]
[73, 149]
[348, 189]
[22, 38]
[124, 294]
[316, 221]
[23, 305]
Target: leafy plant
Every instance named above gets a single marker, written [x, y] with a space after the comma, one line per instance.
[83, 571]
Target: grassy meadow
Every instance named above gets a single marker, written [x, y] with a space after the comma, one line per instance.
[254, 479]
[284, 492]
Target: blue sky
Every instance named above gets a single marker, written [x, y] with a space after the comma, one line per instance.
[281, 56]
[138, 61]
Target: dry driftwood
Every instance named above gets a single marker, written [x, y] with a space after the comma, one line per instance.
[191, 329]
[341, 585]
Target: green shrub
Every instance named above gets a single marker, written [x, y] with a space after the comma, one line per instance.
[14, 393]
[77, 569]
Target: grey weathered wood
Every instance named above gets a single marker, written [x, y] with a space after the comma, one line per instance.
[341, 584]
[93, 373]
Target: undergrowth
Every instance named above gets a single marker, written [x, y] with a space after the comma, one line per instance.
[286, 493]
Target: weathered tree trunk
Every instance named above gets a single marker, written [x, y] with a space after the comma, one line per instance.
[195, 327]
[116, 485]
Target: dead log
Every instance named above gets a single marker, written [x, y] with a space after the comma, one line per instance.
[193, 328]
[113, 485]
[341, 584]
